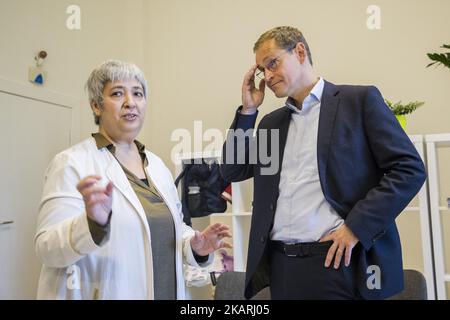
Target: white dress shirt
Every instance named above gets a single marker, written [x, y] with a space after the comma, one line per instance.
[303, 214]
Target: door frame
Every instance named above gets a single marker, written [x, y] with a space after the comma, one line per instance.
[32, 92]
[35, 92]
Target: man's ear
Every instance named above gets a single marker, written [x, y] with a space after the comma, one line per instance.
[300, 51]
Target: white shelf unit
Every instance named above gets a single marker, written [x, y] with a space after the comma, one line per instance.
[425, 226]
[240, 216]
[433, 143]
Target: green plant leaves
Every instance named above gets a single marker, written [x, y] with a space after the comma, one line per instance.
[399, 109]
[440, 58]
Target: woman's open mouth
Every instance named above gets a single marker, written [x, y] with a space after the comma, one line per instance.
[129, 117]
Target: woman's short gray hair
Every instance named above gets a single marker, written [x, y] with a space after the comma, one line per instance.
[112, 71]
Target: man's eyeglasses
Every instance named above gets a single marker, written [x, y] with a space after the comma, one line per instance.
[271, 65]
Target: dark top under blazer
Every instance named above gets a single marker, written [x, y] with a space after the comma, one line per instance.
[369, 171]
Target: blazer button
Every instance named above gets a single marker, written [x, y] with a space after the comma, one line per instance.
[263, 239]
[271, 207]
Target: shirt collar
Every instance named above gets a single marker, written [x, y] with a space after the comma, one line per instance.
[314, 97]
[102, 142]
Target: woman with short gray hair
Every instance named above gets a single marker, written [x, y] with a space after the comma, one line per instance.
[110, 224]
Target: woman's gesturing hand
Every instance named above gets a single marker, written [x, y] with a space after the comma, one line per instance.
[97, 199]
[210, 239]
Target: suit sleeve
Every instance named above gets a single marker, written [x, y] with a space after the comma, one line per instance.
[239, 149]
[404, 172]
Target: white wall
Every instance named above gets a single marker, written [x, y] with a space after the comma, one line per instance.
[196, 53]
[109, 29]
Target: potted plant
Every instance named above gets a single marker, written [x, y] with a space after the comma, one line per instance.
[440, 58]
[401, 110]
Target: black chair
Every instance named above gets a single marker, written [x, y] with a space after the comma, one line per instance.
[230, 286]
[415, 287]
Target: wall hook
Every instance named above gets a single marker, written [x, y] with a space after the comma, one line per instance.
[40, 57]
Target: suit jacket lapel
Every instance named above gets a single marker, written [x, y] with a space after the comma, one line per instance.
[154, 172]
[328, 110]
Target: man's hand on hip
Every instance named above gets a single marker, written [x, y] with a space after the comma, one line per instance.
[344, 241]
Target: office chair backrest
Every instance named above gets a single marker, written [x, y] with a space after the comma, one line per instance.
[230, 286]
[415, 287]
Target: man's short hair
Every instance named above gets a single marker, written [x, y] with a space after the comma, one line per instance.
[285, 37]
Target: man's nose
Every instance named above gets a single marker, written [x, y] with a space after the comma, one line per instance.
[268, 75]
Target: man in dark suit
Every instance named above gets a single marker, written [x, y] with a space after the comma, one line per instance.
[341, 170]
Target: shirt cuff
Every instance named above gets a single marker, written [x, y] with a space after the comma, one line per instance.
[99, 233]
[200, 259]
[245, 121]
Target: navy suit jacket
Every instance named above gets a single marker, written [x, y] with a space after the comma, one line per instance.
[369, 171]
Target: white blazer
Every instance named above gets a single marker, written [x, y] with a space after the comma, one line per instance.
[74, 267]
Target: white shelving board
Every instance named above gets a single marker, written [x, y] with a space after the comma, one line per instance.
[433, 143]
[425, 227]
